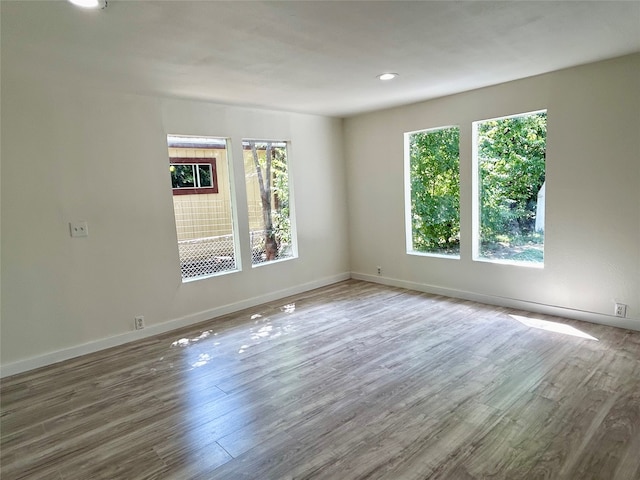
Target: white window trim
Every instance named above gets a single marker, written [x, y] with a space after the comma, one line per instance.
[407, 196]
[475, 196]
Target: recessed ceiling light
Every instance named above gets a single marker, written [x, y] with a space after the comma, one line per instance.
[90, 3]
[387, 76]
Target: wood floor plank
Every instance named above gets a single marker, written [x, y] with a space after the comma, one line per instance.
[351, 381]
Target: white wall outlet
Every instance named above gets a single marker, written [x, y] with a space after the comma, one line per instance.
[138, 322]
[79, 229]
[620, 310]
[379, 270]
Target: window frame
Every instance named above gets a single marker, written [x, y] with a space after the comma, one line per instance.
[205, 142]
[195, 161]
[476, 200]
[409, 244]
[286, 145]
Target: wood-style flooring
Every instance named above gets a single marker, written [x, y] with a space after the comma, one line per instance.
[351, 381]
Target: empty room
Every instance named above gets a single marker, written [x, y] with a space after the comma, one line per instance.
[320, 240]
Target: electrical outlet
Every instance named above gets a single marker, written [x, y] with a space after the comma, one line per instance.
[79, 229]
[138, 322]
[620, 310]
[379, 269]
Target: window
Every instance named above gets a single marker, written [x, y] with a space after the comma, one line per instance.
[432, 186]
[509, 156]
[268, 200]
[203, 205]
[189, 177]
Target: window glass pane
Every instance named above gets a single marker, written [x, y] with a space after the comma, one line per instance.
[204, 172]
[510, 156]
[434, 178]
[268, 199]
[204, 221]
[182, 176]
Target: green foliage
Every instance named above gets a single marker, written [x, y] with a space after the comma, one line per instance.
[511, 159]
[182, 176]
[281, 213]
[521, 248]
[204, 172]
[435, 190]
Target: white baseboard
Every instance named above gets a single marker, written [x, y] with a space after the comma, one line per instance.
[592, 317]
[97, 345]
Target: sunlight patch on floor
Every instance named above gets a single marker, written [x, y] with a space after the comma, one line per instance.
[203, 359]
[552, 327]
[184, 342]
[289, 308]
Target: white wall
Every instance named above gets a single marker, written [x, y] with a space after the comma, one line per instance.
[72, 154]
[592, 235]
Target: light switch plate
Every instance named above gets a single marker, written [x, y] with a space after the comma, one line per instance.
[79, 229]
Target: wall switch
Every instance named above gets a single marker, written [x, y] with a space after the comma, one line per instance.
[79, 229]
[620, 310]
[138, 322]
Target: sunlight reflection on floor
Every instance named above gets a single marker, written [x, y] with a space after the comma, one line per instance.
[203, 359]
[290, 308]
[183, 342]
[552, 327]
[263, 330]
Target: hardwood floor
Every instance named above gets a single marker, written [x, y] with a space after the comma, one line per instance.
[352, 381]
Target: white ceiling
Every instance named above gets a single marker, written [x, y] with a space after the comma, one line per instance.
[307, 56]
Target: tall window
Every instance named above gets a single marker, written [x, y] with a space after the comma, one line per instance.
[509, 154]
[268, 199]
[202, 204]
[432, 183]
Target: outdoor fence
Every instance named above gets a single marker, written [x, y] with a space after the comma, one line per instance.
[210, 255]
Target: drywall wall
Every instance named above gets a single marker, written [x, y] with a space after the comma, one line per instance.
[592, 238]
[71, 154]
